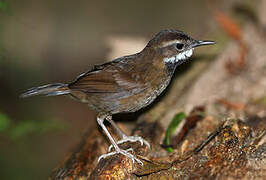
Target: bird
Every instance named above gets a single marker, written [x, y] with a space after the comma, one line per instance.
[127, 84]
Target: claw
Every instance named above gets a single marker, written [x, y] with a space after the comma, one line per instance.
[131, 139]
[123, 152]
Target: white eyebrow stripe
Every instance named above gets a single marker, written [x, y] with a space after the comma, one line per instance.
[164, 44]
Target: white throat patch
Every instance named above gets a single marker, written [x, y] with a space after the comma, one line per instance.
[181, 56]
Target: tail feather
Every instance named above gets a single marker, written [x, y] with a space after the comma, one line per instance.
[47, 90]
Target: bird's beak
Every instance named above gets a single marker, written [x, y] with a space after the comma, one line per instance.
[202, 43]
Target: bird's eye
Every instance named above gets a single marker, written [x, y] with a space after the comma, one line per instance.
[179, 46]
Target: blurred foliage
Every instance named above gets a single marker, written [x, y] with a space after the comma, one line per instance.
[172, 128]
[4, 122]
[260, 101]
[24, 128]
[3, 5]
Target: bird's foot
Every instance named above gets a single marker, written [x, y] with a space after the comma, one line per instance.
[131, 139]
[125, 153]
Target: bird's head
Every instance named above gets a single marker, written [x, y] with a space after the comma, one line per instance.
[175, 46]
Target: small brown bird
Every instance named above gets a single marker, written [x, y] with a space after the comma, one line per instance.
[128, 83]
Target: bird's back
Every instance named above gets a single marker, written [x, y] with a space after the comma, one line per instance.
[126, 84]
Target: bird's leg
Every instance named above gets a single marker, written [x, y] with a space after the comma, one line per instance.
[100, 120]
[124, 137]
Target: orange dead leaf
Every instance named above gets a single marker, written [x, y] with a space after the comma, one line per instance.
[234, 31]
[227, 23]
[232, 105]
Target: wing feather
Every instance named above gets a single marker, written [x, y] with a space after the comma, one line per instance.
[111, 77]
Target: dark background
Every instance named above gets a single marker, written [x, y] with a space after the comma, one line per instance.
[46, 41]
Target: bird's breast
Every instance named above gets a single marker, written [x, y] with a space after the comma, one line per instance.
[154, 85]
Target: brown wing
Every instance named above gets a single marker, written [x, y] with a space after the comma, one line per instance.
[111, 77]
